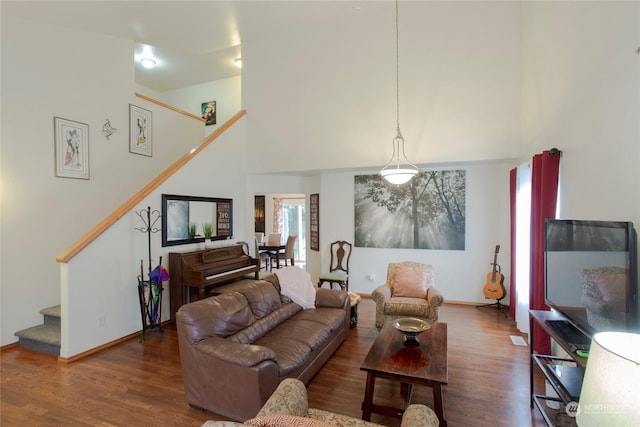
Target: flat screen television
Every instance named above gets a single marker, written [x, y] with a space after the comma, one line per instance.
[591, 274]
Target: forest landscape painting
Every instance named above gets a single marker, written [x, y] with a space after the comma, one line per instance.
[426, 213]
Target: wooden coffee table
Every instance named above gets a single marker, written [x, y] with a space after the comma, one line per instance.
[424, 364]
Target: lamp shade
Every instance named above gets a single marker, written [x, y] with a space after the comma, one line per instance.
[610, 394]
[398, 176]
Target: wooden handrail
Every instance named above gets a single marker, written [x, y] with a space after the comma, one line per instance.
[130, 204]
[177, 110]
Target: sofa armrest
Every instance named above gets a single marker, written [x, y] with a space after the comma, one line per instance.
[419, 415]
[331, 298]
[290, 398]
[434, 297]
[211, 423]
[236, 353]
[381, 295]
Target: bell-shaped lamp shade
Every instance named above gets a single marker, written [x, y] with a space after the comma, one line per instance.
[399, 171]
[398, 176]
[610, 394]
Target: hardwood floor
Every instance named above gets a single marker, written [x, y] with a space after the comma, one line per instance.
[140, 384]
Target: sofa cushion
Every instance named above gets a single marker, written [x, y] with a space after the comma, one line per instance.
[333, 318]
[409, 279]
[280, 420]
[262, 326]
[402, 306]
[307, 332]
[273, 279]
[222, 315]
[292, 355]
[262, 296]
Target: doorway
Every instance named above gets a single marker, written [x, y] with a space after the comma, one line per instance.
[284, 214]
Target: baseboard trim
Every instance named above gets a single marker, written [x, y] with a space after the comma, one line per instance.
[9, 346]
[447, 302]
[454, 302]
[105, 346]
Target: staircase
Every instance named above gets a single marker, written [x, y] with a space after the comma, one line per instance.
[45, 337]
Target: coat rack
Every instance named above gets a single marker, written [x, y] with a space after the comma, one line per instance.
[150, 291]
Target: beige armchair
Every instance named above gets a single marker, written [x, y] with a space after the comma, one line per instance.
[408, 292]
[288, 405]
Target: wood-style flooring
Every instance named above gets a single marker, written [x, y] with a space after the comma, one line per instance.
[140, 384]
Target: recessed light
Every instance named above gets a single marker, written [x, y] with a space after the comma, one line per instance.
[238, 62]
[148, 62]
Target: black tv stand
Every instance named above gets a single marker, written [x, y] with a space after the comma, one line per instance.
[564, 374]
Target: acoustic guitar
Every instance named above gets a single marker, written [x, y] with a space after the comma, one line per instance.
[494, 287]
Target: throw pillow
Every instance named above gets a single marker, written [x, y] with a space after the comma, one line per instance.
[411, 281]
[278, 420]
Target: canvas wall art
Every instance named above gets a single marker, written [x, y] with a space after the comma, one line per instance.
[426, 213]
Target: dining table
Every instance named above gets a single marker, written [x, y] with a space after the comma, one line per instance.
[272, 250]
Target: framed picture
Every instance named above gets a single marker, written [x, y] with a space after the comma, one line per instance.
[430, 213]
[258, 214]
[314, 200]
[209, 112]
[140, 126]
[71, 148]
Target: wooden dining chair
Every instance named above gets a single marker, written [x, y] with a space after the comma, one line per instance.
[263, 255]
[274, 239]
[339, 266]
[287, 254]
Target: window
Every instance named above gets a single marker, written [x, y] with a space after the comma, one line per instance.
[293, 222]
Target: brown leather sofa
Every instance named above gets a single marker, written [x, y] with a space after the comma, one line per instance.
[237, 346]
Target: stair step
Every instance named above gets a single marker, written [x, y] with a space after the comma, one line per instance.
[44, 338]
[51, 315]
[51, 311]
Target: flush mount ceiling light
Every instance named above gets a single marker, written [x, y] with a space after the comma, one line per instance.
[238, 62]
[399, 170]
[148, 62]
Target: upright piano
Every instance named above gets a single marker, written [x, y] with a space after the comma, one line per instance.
[193, 274]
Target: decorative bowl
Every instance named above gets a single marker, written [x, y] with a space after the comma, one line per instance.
[411, 327]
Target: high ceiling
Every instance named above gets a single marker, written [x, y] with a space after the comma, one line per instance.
[193, 41]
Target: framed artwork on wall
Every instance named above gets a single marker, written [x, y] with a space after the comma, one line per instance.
[209, 112]
[259, 214]
[140, 126]
[71, 148]
[429, 212]
[314, 232]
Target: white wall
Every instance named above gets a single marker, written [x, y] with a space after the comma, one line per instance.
[581, 94]
[479, 81]
[107, 290]
[86, 77]
[226, 92]
[460, 275]
[326, 98]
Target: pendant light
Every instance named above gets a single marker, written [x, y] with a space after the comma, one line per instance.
[399, 170]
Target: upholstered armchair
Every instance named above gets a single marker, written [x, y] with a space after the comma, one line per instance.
[408, 292]
[288, 406]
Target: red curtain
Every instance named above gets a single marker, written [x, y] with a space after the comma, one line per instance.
[544, 193]
[513, 174]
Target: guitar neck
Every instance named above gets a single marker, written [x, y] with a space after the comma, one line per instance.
[495, 263]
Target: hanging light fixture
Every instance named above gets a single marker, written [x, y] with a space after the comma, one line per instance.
[399, 170]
